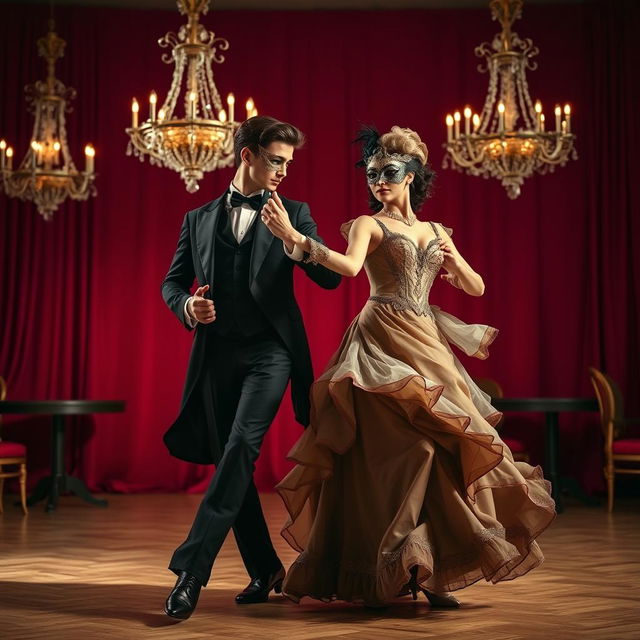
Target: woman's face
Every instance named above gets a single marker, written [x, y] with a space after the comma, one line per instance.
[388, 179]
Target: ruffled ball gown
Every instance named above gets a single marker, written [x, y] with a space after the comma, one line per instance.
[401, 466]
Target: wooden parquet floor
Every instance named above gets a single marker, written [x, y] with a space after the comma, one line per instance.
[89, 573]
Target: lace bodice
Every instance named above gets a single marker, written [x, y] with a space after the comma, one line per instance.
[401, 273]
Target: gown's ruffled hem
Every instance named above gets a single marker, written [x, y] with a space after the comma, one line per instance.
[492, 558]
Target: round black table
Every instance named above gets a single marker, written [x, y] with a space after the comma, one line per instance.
[58, 482]
[552, 407]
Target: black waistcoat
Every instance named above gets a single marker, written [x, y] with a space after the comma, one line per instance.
[236, 310]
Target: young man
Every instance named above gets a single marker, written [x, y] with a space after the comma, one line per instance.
[249, 341]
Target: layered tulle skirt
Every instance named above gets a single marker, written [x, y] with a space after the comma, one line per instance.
[401, 467]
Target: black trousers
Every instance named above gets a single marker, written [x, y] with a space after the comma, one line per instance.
[241, 391]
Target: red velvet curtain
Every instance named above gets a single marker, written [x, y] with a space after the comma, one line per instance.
[80, 305]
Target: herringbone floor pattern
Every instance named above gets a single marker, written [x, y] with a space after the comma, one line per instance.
[88, 573]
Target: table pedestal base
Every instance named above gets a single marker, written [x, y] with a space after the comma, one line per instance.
[51, 488]
[59, 482]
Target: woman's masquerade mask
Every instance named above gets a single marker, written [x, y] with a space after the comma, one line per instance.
[389, 167]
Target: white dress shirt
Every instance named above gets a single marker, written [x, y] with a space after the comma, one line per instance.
[241, 219]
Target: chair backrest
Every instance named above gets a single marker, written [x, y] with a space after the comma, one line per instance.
[609, 400]
[490, 386]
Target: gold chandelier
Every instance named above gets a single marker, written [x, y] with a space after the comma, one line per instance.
[203, 139]
[47, 174]
[509, 140]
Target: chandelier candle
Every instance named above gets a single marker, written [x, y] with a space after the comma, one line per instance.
[467, 120]
[538, 109]
[135, 107]
[153, 99]
[3, 153]
[89, 155]
[449, 127]
[231, 101]
[501, 117]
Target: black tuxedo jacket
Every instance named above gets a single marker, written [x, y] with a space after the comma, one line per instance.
[270, 284]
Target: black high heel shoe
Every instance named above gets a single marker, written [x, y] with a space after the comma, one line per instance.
[445, 599]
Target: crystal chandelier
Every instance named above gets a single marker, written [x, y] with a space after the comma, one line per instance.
[47, 175]
[509, 139]
[203, 139]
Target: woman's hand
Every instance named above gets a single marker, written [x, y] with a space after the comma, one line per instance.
[459, 271]
[452, 259]
[275, 216]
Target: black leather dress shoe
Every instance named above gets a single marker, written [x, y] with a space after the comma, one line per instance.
[259, 588]
[183, 597]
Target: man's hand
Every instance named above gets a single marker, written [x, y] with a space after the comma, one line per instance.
[200, 308]
[275, 216]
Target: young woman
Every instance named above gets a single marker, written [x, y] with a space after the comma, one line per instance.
[402, 483]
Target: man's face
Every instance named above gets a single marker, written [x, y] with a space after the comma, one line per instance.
[268, 168]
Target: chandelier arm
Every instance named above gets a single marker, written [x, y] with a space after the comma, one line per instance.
[559, 155]
[460, 160]
[476, 152]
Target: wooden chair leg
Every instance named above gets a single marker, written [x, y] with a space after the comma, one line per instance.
[610, 476]
[23, 487]
[1, 492]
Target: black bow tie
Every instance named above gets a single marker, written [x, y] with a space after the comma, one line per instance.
[237, 200]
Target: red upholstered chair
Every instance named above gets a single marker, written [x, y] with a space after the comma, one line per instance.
[492, 388]
[616, 448]
[12, 454]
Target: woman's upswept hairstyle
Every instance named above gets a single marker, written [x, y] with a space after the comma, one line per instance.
[400, 144]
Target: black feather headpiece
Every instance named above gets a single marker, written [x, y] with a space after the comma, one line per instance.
[369, 138]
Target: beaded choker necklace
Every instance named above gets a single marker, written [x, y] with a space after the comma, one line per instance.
[410, 221]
